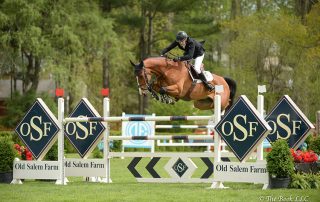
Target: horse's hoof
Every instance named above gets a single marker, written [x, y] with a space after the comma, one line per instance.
[156, 97]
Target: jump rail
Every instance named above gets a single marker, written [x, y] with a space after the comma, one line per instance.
[118, 119]
[163, 137]
[184, 126]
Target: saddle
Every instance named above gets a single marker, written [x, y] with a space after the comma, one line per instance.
[195, 77]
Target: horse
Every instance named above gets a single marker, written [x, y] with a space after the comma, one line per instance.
[173, 82]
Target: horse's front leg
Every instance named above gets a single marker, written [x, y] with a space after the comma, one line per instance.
[168, 91]
[172, 90]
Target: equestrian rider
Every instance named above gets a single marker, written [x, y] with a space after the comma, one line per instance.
[192, 50]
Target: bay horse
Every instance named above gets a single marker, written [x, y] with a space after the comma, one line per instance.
[173, 82]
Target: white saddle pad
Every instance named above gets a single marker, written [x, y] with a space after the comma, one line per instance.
[208, 76]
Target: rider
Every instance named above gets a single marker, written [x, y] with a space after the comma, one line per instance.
[192, 50]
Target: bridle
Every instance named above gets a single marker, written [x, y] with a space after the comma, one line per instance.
[146, 80]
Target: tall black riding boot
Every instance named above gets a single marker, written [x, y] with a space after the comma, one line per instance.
[208, 85]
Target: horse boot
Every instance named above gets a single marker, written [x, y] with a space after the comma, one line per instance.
[208, 85]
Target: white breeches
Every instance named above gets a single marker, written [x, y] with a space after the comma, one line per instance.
[197, 63]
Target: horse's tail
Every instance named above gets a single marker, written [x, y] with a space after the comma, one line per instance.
[233, 89]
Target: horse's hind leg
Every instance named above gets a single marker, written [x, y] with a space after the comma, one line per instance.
[204, 104]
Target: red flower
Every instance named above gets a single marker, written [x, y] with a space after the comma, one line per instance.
[23, 152]
[28, 155]
[306, 156]
[17, 147]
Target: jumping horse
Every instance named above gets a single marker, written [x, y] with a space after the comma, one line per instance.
[169, 81]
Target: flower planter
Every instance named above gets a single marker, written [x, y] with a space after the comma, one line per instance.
[6, 177]
[307, 167]
[277, 183]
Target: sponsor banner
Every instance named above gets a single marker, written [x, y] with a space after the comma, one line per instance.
[242, 128]
[137, 128]
[84, 136]
[35, 170]
[288, 122]
[85, 167]
[241, 172]
[38, 129]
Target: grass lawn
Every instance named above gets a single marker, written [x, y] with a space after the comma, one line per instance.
[125, 188]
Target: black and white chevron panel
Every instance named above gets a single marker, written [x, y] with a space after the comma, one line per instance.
[180, 170]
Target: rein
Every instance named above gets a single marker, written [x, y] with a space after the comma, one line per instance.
[146, 80]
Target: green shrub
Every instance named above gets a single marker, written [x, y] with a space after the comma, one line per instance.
[313, 180]
[52, 154]
[7, 154]
[279, 160]
[6, 134]
[97, 154]
[12, 135]
[308, 140]
[299, 181]
[305, 181]
[117, 146]
[68, 147]
[314, 144]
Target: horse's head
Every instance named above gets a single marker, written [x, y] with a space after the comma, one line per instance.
[142, 77]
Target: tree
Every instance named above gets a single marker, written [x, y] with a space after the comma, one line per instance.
[22, 27]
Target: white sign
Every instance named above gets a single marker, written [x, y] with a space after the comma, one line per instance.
[241, 172]
[85, 167]
[36, 170]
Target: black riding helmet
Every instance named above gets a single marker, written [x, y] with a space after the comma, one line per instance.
[181, 35]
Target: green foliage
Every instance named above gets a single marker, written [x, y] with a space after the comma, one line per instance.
[308, 139]
[5, 134]
[20, 104]
[313, 180]
[277, 47]
[314, 144]
[305, 181]
[279, 160]
[52, 154]
[299, 181]
[7, 154]
[117, 146]
[68, 147]
[11, 135]
[96, 153]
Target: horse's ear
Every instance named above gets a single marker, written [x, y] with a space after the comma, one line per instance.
[141, 64]
[132, 63]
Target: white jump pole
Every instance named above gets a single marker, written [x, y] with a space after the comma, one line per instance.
[260, 107]
[217, 138]
[61, 180]
[106, 146]
[147, 118]
[162, 137]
